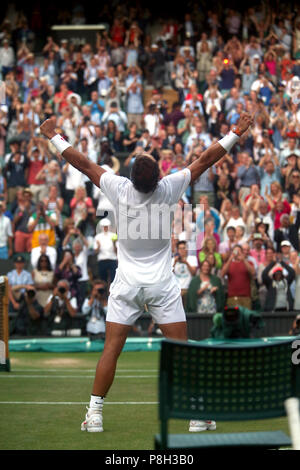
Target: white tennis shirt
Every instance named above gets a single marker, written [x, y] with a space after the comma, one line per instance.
[144, 226]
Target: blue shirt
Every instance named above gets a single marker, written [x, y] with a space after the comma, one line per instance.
[15, 279]
[94, 108]
[266, 179]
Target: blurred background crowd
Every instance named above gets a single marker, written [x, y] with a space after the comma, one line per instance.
[169, 85]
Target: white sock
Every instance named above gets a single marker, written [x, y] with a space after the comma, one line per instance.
[96, 403]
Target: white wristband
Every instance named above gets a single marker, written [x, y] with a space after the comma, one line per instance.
[229, 141]
[60, 143]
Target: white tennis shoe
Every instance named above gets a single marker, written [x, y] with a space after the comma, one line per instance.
[198, 426]
[93, 421]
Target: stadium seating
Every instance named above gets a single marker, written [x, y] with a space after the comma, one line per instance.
[234, 380]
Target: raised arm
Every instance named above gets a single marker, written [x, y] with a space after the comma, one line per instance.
[216, 151]
[72, 156]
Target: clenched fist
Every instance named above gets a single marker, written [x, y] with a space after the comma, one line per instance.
[245, 121]
[48, 128]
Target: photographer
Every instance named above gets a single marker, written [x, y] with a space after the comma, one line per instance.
[60, 309]
[95, 308]
[30, 315]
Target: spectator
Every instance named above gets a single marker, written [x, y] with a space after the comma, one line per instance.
[43, 248]
[287, 231]
[116, 115]
[16, 174]
[6, 234]
[105, 247]
[277, 279]
[29, 315]
[80, 204]
[7, 57]
[94, 308]
[134, 104]
[239, 273]
[258, 251]
[22, 214]
[19, 279]
[209, 247]
[205, 293]
[80, 250]
[184, 266]
[226, 247]
[36, 162]
[43, 277]
[68, 270]
[42, 221]
[60, 309]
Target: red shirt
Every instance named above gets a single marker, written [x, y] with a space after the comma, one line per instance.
[34, 167]
[238, 280]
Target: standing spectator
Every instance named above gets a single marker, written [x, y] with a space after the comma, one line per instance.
[43, 277]
[80, 250]
[43, 248]
[184, 267]
[80, 204]
[7, 58]
[226, 247]
[68, 270]
[6, 234]
[205, 293]
[287, 231]
[277, 279]
[22, 213]
[42, 221]
[134, 104]
[97, 107]
[36, 162]
[16, 174]
[209, 248]
[105, 247]
[116, 115]
[239, 272]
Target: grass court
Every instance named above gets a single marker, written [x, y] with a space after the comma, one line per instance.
[43, 401]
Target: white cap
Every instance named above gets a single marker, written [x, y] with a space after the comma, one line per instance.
[285, 243]
[105, 223]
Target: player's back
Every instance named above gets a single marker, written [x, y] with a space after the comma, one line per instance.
[144, 226]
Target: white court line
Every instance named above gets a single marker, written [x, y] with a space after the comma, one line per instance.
[42, 376]
[76, 403]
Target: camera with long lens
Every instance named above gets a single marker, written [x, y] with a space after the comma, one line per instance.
[101, 291]
[62, 290]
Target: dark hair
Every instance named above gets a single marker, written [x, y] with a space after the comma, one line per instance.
[181, 242]
[39, 263]
[144, 173]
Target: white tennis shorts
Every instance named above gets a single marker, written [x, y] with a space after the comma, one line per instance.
[164, 302]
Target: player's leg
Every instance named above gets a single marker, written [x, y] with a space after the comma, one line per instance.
[174, 330]
[115, 337]
[123, 310]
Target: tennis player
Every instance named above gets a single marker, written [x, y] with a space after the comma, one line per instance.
[144, 274]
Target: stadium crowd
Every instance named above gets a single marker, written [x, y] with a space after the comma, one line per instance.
[111, 100]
